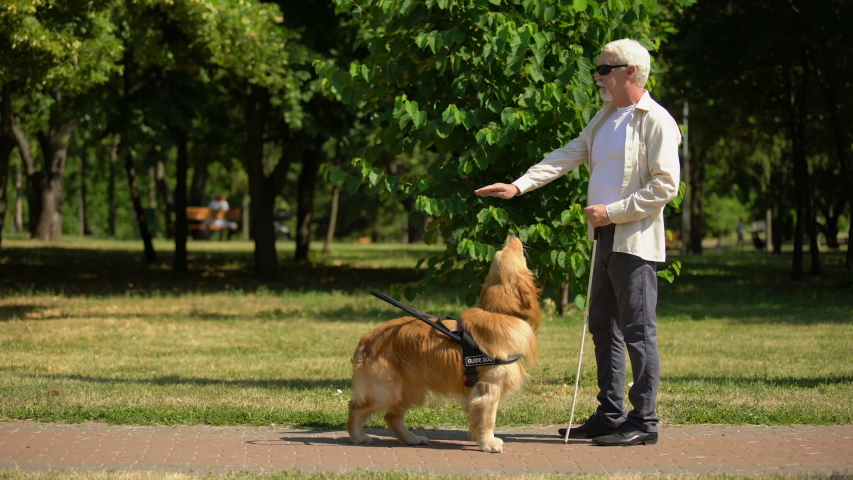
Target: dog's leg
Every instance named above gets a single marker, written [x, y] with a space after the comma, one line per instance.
[358, 413]
[482, 410]
[394, 417]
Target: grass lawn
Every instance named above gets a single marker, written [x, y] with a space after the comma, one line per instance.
[88, 332]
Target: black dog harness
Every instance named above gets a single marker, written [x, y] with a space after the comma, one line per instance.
[472, 355]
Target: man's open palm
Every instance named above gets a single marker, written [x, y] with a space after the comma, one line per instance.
[502, 190]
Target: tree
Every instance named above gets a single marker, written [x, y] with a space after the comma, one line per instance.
[250, 42]
[773, 73]
[53, 53]
[490, 86]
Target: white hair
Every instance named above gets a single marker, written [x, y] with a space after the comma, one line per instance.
[630, 52]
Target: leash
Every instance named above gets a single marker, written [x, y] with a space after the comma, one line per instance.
[472, 355]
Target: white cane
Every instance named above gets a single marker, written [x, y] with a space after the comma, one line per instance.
[583, 338]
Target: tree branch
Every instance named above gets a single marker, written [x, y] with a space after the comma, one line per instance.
[24, 147]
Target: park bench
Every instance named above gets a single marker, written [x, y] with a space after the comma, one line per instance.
[671, 242]
[203, 218]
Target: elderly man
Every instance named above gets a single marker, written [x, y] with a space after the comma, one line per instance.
[632, 147]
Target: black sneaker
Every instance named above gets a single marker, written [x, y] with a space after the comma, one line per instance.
[590, 429]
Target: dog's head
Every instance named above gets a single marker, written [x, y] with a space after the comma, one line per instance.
[510, 287]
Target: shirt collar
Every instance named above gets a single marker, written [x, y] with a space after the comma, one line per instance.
[645, 102]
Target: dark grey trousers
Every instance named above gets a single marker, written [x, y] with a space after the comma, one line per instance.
[622, 316]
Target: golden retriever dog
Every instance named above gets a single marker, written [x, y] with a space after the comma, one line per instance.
[399, 362]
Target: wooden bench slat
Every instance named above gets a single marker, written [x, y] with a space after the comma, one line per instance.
[200, 214]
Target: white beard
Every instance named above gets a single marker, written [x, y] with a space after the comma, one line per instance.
[605, 95]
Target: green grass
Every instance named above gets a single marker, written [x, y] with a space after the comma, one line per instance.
[89, 332]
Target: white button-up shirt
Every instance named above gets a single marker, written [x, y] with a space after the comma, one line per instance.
[649, 182]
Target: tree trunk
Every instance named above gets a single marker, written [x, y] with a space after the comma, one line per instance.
[182, 141]
[305, 200]
[19, 194]
[797, 272]
[333, 220]
[54, 149]
[136, 200]
[850, 243]
[830, 85]
[796, 112]
[7, 144]
[199, 183]
[686, 212]
[130, 169]
[416, 224]
[152, 188]
[168, 199]
[33, 176]
[246, 218]
[811, 228]
[111, 188]
[564, 304]
[780, 223]
[416, 231]
[782, 205]
[84, 195]
[197, 189]
[260, 186]
[830, 229]
[49, 226]
[697, 220]
[768, 220]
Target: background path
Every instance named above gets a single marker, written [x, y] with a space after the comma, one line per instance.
[537, 450]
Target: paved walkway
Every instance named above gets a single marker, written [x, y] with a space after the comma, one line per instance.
[700, 449]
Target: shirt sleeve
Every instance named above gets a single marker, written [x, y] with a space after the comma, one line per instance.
[661, 140]
[559, 162]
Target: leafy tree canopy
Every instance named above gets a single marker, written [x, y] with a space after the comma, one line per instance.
[57, 44]
[491, 86]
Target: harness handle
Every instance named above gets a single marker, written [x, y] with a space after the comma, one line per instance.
[472, 355]
[422, 316]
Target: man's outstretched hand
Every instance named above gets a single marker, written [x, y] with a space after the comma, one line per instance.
[502, 190]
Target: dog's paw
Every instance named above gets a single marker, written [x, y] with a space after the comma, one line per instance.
[492, 445]
[418, 440]
[363, 440]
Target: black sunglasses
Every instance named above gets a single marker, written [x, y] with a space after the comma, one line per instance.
[603, 70]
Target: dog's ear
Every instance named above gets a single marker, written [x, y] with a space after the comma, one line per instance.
[529, 300]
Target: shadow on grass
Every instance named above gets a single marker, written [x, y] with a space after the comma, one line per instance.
[271, 384]
[752, 382]
[745, 287]
[756, 288]
[81, 272]
[342, 314]
[17, 312]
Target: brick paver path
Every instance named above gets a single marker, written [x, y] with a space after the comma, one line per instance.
[537, 450]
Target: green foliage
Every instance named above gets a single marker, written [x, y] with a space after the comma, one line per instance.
[723, 213]
[491, 87]
[58, 44]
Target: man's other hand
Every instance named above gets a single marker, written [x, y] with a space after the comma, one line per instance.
[597, 215]
[502, 190]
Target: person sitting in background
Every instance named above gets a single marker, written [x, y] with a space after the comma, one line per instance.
[741, 229]
[219, 207]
